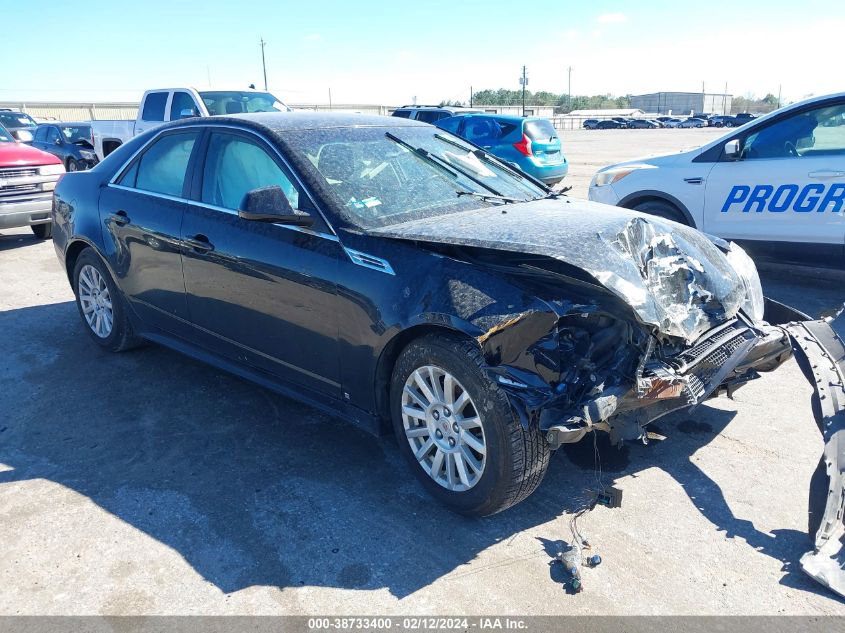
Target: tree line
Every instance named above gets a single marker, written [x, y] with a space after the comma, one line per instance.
[563, 104]
[560, 102]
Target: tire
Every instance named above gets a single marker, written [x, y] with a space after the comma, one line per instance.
[42, 231]
[661, 209]
[119, 336]
[72, 165]
[514, 459]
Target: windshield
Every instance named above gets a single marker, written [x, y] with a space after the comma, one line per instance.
[76, 133]
[381, 176]
[5, 137]
[16, 120]
[220, 103]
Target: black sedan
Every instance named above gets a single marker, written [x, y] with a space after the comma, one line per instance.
[610, 124]
[397, 276]
[642, 124]
[72, 143]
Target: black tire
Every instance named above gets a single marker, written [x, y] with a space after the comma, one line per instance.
[72, 165]
[517, 458]
[122, 336]
[661, 209]
[42, 231]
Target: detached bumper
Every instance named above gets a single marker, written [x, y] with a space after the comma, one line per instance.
[821, 356]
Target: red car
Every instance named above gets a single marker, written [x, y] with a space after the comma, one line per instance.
[28, 177]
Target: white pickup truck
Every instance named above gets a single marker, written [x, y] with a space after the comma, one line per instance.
[169, 104]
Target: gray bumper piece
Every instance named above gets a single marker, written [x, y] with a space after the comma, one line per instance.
[821, 355]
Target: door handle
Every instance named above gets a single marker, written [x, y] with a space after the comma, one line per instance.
[120, 218]
[200, 243]
[822, 174]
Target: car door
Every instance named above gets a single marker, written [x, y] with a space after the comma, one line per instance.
[179, 103]
[141, 211]
[53, 142]
[152, 112]
[262, 294]
[786, 192]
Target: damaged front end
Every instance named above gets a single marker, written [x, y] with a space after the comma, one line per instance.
[625, 318]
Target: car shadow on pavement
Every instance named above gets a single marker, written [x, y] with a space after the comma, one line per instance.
[8, 241]
[253, 489]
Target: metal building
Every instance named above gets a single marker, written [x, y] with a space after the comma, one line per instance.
[683, 103]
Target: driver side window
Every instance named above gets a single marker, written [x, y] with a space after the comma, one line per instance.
[816, 132]
[234, 166]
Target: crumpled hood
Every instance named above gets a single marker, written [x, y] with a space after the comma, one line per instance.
[671, 275]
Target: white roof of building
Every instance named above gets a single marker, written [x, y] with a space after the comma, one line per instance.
[608, 112]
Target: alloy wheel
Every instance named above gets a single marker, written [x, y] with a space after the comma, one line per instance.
[443, 427]
[95, 299]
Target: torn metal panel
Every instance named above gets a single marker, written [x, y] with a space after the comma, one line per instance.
[673, 277]
[822, 359]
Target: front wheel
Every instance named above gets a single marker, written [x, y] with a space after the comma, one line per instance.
[101, 304]
[457, 430]
[72, 165]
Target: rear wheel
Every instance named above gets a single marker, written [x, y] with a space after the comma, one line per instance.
[661, 209]
[456, 428]
[42, 231]
[101, 304]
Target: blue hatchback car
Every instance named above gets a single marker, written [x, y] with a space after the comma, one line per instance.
[530, 143]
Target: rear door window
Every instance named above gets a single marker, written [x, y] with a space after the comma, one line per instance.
[404, 114]
[430, 116]
[481, 130]
[154, 106]
[162, 167]
[40, 134]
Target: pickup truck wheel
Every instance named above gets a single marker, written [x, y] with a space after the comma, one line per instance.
[42, 231]
[661, 209]
[457, 430]
[72, 165]
[101, 304]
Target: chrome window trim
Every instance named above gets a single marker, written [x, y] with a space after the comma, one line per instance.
[227, 126]
[154, 194]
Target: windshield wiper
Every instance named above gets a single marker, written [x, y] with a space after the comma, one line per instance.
[487, 196]
[487, 157]
[435, 160]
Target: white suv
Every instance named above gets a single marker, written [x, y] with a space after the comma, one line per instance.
[776, 184]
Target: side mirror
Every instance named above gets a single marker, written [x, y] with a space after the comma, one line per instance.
[269, 204]
[58, 141]
[733, 149]
[188, 113]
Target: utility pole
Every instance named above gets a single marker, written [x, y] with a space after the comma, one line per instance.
[569, 91]
[470, 96]
[524, 81]
[264, 65]
[780, 86]
[330, 98]
[725, 100]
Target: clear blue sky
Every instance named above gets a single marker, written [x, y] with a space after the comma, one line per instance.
[370, 52]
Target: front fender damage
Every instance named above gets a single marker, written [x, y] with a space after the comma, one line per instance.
[821, 356]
